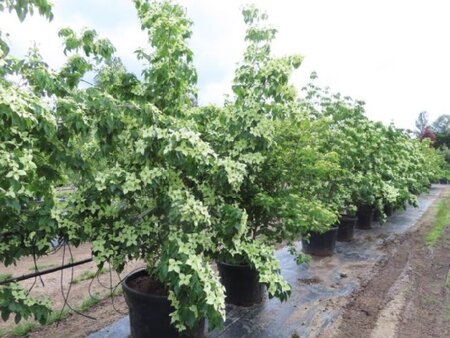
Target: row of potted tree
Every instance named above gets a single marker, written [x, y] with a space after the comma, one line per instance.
[156, 178]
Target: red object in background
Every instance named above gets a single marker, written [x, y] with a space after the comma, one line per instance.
[428, 133]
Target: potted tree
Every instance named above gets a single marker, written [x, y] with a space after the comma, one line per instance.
[356, 141]
[342, 136]
[242, 131]
[150, 188]
[30, 167]
[145, 185]
[382, 167]
[308, 170]
[169, 194]
[249, 129]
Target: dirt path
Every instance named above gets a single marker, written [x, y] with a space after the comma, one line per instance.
[426, 311]
[407, 295]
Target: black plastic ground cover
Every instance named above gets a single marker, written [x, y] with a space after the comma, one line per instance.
[319, 290]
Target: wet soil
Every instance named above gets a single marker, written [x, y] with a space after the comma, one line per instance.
[407, 294]
[426, 312]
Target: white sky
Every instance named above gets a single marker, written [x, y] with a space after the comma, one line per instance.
[394, 55]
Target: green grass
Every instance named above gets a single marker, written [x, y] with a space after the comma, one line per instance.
[88, 303]
[117, 292]
[23, 329]
[5, 276]
[57, 315]
[86, 275]
[441, 222]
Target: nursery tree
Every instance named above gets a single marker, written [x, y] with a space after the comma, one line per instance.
[145, 184]
[380, 165]
[263, 127]
[156, 193]
[142, 203]
[348, 135]
[30, 157]
[155, 178]
[25, 7]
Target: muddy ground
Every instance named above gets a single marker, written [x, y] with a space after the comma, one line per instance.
[400, 292]
[407, 294]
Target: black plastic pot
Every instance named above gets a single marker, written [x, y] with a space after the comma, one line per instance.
[388, 210]
[241, 284]
[365, 216]
[443, 181]
[346, 228]
[149, 314]
[376, 216]
[321, 244]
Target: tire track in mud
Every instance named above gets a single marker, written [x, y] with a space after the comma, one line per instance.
[361, 312]
[406, 295]
[426, 312]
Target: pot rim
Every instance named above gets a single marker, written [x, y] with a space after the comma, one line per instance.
[235, 265]
[140, 293]
[347, 216]
[331, 228]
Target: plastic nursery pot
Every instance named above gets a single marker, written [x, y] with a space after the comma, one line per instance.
[376, 216]
[346, 228]
[321, 244]
[388, 209]
[241, 284]
[149, 314]
[365, 216]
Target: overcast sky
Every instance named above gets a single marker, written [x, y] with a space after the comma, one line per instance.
[394, 55]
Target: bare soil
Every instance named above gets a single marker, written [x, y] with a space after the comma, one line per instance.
[406, 295]
[55, 286]
[77, 326]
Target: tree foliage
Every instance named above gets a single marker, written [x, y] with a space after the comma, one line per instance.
[441, 128]
[381, 165]
[152, 177]
[442, 124]
[422, 123]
